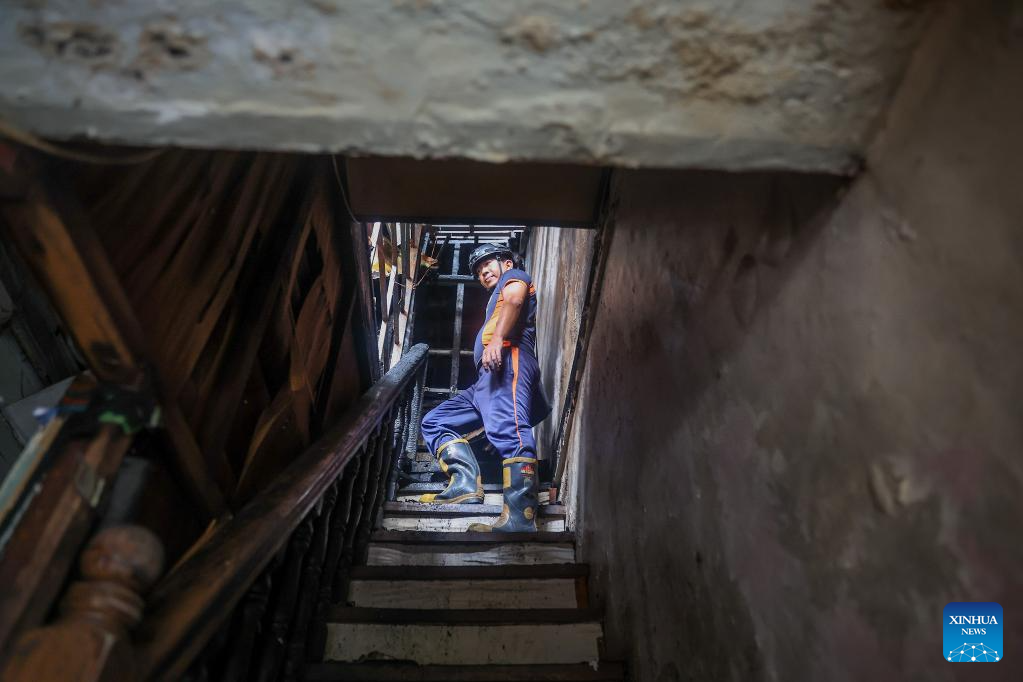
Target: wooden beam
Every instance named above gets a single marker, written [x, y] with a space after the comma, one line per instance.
[55, 239]
[55, 521]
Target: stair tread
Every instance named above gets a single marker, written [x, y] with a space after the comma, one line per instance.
[425, 537]
[437, 486]
[471, 617]
[433, 510]
[388, 671]
[508, 571]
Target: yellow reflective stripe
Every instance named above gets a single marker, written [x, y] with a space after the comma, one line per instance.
[453, 440]
[524, 460]
[507, 477]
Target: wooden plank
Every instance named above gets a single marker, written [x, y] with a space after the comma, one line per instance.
[488, 498]
[543, 571]
[491, 499]
[456, 523]
[472, 554]
[73, 266]
[438, 191]
[469, 538]
[44, 543]
[358, 265]
[429, 644]
[388, 671]
[90, 302]
[351, 614]
[506, 593]
[410, 267]
[196, 284]
[418, 488]
[229, 383]
[448, 510]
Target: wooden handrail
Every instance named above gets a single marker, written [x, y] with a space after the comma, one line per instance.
[189, 605]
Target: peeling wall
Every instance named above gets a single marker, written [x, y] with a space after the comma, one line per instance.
[816, 441]
[782, 83]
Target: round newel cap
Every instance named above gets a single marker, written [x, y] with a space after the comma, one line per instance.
[130, 555]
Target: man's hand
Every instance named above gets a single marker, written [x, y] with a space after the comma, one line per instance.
[492, 354]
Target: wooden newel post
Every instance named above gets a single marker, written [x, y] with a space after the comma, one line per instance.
[90, 641]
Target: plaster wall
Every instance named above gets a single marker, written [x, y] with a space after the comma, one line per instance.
[752, 83]
[816, 441]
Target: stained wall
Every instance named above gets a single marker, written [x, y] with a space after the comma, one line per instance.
[816, 441]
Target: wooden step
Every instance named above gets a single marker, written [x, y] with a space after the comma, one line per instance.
[493, 494]
[436, 487]
[411, 548]
[540, 572]
[418, 509]
[410, 516]
[469, 587]
[464, 636]
[386, 671]
[433, 538]
[353, 614]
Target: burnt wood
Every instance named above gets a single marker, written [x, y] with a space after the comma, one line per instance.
[340, 577]
[339, 523]
[242, 645]
[375, 487]
[310, 587]
[272, 644]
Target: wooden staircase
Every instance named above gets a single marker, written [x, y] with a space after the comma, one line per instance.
[435, 603]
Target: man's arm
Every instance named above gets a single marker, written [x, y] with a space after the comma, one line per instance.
[514, 295]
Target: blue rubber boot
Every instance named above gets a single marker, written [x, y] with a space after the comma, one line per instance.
[465, 485]
[521, 503]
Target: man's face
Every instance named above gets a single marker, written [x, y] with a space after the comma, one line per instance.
[490, 270]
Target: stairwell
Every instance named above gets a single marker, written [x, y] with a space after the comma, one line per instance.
[435, 603]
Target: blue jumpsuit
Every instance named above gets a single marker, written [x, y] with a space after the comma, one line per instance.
[507, 402]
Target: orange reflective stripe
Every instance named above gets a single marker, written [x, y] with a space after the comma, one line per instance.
[491, 325]
[515, 385]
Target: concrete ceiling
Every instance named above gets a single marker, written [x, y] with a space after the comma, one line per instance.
[723, 84]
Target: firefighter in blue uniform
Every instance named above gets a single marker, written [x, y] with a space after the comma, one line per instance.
[507, 399]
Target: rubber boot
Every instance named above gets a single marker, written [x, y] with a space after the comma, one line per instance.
[520, 498]
[465, 485]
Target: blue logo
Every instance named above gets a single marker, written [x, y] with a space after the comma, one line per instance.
[973, 632]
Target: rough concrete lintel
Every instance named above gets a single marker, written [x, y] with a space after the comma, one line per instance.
[319, 133]
[686, 83]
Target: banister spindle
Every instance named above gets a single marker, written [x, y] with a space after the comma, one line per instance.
[271, 656]
[340, 579]
[339, 521]
[294, 663]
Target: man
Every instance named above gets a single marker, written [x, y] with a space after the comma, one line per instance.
[507, 399]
